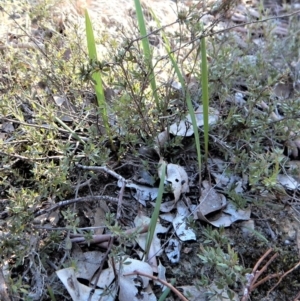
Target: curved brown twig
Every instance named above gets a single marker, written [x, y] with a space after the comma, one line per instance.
[169, 285]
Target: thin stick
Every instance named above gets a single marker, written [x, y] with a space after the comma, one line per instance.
[77, 200]
[261, 259]
[170, 286]
[101, 268]
[103, 168]
[121, 194]
[257, 275]
[285, 274]
[106, 237]
[297, 297]
[260, 282]
[252, 278]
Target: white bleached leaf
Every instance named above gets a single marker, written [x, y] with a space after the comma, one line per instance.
[225, 214]
[173, 250]
[161, 275]
[229, 215]
[182, 209]
[142, 193]
[106, 277]
[140, 221]
[78, 291]
[134, 287]
[161, 140]
[288, 182]
[130, 265]
[167, 217]
[237, 214]
[184, 127]
[88, 263]
[59, 100]
[183, 231]
[167, 206]
[177, 177]
[128, 291]
[176, 85]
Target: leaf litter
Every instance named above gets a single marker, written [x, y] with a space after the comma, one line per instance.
[213, 207]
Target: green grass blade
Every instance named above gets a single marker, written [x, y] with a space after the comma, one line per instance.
[69, 130]
[51, 293]
[147, 51]
[185, 92]
[205, 95]
[90, 37]
[167, 291]
[58, 120]
[96, 75]
[155, 214]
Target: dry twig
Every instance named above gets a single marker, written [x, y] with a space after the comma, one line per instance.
[252, 278]
[77, 200]
[104, 238]
[170, 286]
[282, 276]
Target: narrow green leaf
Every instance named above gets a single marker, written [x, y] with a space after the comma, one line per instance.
[69, 130]
[155, 214]
[167, 291]
[185, 92]
[147, 51]
[96, 77]
[205, 95]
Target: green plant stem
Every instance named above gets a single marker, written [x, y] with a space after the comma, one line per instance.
[96, 76]
[167, 291]
[147, 51]
[155, 214]
[186, 93]
[205, 96]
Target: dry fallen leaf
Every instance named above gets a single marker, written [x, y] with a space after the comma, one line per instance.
[177, 177]
[210, 201]
[141, 193]
[183, 231]
[155, 248]
[78, 291]
[184, 127]
[213, 202]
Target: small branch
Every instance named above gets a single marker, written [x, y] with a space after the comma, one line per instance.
[49, 228]
[121, 193]
[104, 238]
[101, 169]
[40, 158]
[260, 282]
[284, 275]
[41, 127]
[261, 259]
[258, 274]
[77, 200]
[297, 297]
[252, 278]
[210, 33]
[97, 276]
[170, 286]
[23, 46]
